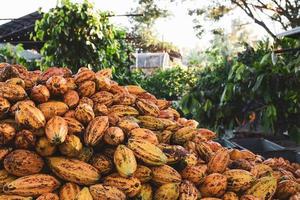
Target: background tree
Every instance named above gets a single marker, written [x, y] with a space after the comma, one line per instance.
[142, 33]
[285, 13]
[77, 35]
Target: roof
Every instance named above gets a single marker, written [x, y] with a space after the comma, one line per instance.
[152, 60]
[18, 30]
[293, 33]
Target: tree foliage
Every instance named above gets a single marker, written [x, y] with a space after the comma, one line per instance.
[77, 35]
[285, 13]
[248, 89]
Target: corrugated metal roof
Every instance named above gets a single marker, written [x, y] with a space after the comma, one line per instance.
[152, 60]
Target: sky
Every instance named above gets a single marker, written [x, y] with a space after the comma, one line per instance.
[178, 28]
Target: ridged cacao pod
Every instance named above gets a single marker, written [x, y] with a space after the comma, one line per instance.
[40, 94]
[286, 188]
[263, 188]
[7, 133]
[128, 123]
[125, 161]
[195, 174]
[130, 186]
[104, 192]
[150, 122]
[238, 180]
[44, 147]
[169, 191]
[144, 134]
[214, 185]
[74, 126]
[53, 108]
[85, 75]
[95, 130]
[188, 191]
[114, 135]
[84, 113]
[4, 106]
[84, 194]
[122, 110]
[165, 174]
[30, 116]
[69, 191]
[230, 196]
[146, 193]
[12, 92]
[16, 81]
[5, 178]
[57, 85]
[56, 130]
[147, 107]
[48, 196]
[23, 162]
[54, 71]
[102, 163]
[103, 97]
[25, 139]
[71, 98]
[71, 147]
[219, 162]
[143, 173]
[147, 152]
[74, 170]
[32, 185]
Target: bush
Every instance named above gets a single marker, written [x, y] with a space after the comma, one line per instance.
[77, 35]
[169, 84]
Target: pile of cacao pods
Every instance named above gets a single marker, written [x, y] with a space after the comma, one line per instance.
[84, 137]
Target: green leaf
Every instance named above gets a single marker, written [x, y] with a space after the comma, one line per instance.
[258, 82]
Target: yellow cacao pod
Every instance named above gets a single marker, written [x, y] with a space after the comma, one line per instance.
[174, 153]
[74, 170]
[12, 92]
[147, 107]
[219, 162]
[71, 98]
[188, 191]
[135, 89]
[114, 136]
[13, 197]
[32, 185]
[71, 147]
[123, 110]
[57, 85]
[145, 134]
[84, 75]
[23, 162]
[95, 130]
[30, 116]
[105, 192]
[143, 173]
[102, 163]
[238, 180]
[146, 193]
[195, 174]
[286, 188]
[48, 196]
[128, 123]
[53, 108]
[230, 196]
[84, 194]
[69, 191]
[125, 161]
[150, 122]
[7, 133]
[16, 81]
[5, 178]
[165, 174]
[87, 88]
[214, 185]
[40, 94]
[147, 152]
[260, 170]
[204, 151]
[103, 97]
[4, 106]
[56, 130]
[74, 126]
[84, 113]
[184, 134]
[44, 147]
[263, 188]
[169, 191]
[130, 186]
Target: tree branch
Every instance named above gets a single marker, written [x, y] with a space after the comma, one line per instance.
[244, 6]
